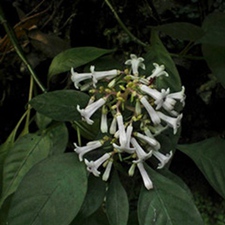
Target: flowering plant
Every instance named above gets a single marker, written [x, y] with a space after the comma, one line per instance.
[126, 123]
[137, 113]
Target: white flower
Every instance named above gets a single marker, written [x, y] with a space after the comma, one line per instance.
[93, 166]
[135, 63]
[92, 145]
[164, 159]
[122, 132]
[150, 140]
[147, 181]
[126, 147]
[78, 77]
[108, 168]
[178, 95]
[95, 76]
[171, 121]
[104, 124]
[158, 71]
[112, 129]
[90, 110]
[162, 99]
[151, 111]
[109, 74]
[141, 154]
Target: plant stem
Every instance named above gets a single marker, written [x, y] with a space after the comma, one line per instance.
[18, 49]
[135, 39]
[26, 126]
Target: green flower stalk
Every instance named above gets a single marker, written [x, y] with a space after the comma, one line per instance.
[133, 113]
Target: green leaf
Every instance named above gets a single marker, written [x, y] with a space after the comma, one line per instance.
[59, 137]
[4, 148]
[214, 56]
[181, 30]
[98, 218]
[167, 203]
[214, 28]
[51, 193]
[209, 156]
[93, 199]
[117, 205]
[60, 105]
[87, 131]
[158, 54]
[104, 63]
[75, 57]
[26, 152]
[42, 121]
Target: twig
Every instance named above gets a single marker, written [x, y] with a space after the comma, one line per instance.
[18, 49]
[135, 39]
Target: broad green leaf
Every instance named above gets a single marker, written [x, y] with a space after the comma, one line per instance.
[181, 31]
[209, 156]
[98, 218]
[75, 57]
[158, 54]
[93, 199]
[105, 63]
[117, 205]
[26, 152]
[58, 136]
[4, 148]
[214, 28]
[176, 179]
[215, 56]
[167, 203]
[42, 121]
[60, 105]
[51, 193]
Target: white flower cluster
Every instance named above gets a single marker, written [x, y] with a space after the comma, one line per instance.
[133, 113]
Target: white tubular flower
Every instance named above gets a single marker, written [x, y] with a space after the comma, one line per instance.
[141, 154]
[160, 97]
[171, 121]
[92, 145]
[164, 159]
[104, 124]
[126, 147]
[112, 129]
[90, 110]
[107, 171]
[78, 77]
[135, 63]
[158, 71]
[93, 166]
[152, 113]
[178, 95]
[150, 140]
[109, 74]
[122, 133]
[146, 179]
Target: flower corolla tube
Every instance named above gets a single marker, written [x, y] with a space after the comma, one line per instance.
[133, 112]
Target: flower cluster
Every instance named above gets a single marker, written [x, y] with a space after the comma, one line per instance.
[133, 113]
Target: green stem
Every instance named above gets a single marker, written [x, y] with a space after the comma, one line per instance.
[18, 49]
[135, 39]
[26, 126]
